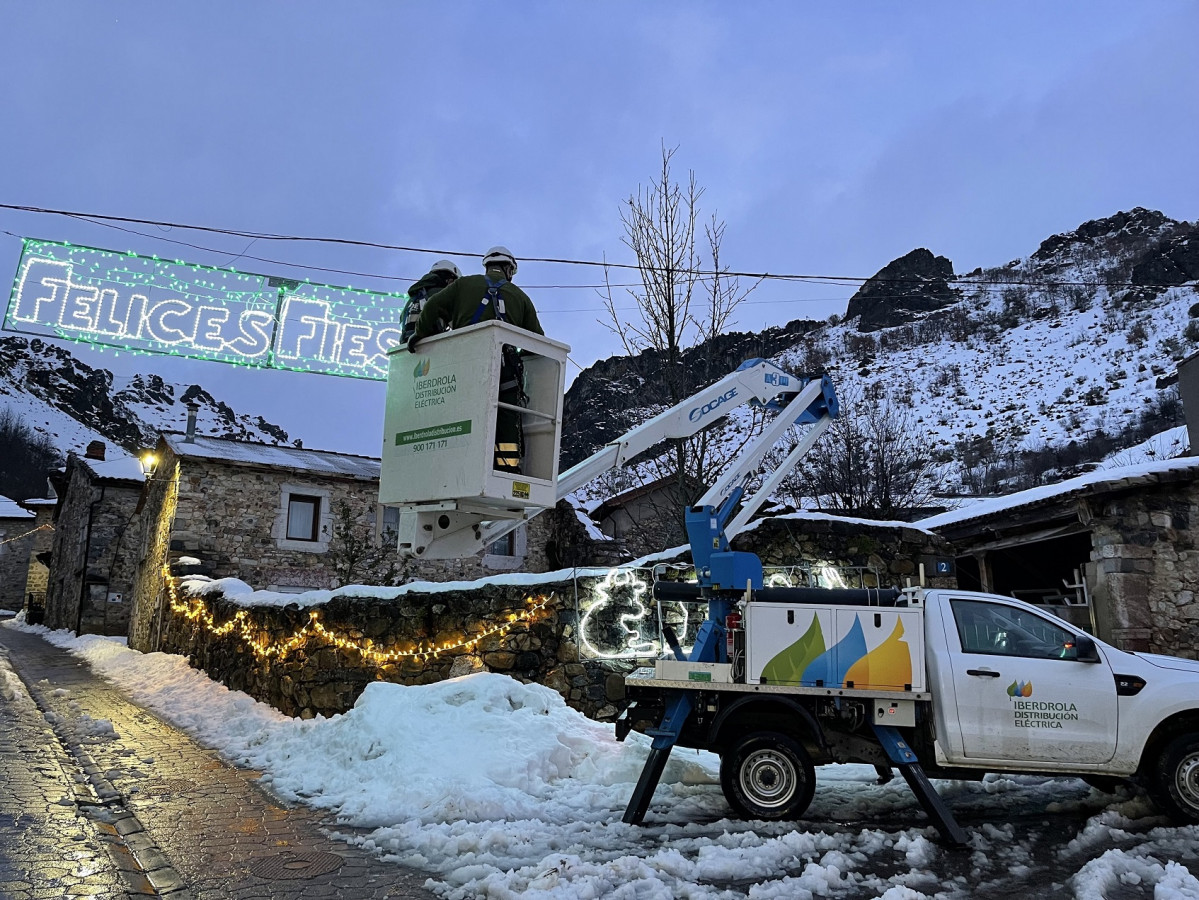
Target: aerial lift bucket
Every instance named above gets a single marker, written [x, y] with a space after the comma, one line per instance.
[439, 441]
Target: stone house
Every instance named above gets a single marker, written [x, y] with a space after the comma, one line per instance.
[96, 529]
[1115, 551]
[16, 547]
[646, 517]
[276, 518]
[38, 577]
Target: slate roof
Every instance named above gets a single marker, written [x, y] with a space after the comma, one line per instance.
[10, 510]
[1097, 482]
[250, 453]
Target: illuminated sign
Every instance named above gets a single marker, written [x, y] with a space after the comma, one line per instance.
[150, 305]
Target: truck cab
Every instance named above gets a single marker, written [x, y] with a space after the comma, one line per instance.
[1018, 689]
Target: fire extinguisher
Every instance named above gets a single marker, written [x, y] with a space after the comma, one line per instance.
[734, 638]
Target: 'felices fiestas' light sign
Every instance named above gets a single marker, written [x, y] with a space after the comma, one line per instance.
[150, 305]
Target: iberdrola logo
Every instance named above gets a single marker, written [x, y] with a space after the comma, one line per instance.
[422, 369]
[1020, 689]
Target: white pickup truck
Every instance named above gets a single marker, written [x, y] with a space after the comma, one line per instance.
[964, 683]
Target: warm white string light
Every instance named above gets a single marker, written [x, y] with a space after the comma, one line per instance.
[27, 533]
[196, 610]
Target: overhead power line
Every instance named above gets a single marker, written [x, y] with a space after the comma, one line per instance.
[845, 280]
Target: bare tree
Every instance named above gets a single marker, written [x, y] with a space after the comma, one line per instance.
[26, 457]
[871, 462]
[678, 305]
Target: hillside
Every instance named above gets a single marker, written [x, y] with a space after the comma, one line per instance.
[72, 403]
[1054, 360]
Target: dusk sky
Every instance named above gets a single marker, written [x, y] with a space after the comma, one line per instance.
[831, 138]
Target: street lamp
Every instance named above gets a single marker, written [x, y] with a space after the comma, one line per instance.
[148, 461]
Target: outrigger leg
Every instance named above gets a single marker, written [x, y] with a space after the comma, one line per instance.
[905, 760]
[665, 736]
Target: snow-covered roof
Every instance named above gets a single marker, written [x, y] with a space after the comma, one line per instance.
[126, 468]
[10, 510]
[1100, 480]
[831, 517]
[273, 456]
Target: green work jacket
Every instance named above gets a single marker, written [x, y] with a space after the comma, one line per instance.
[456, 306]
[430, 284]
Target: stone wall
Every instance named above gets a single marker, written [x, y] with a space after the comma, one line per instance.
[43, 542]
[323, 675]
[93, 553]
[320, 667]
[1146, 545]
[14, 561]
[892, 550]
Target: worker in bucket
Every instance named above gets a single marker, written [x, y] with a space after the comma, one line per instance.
[478, 298]
[442, 275]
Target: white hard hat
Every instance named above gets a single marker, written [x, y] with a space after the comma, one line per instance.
[444, 265]
[499, 256]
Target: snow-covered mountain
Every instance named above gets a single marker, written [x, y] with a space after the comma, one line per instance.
[1059, 359]
[73, 403]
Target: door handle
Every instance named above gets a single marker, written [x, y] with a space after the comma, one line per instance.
[985, 672]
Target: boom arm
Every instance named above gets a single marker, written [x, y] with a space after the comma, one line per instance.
[755, 381]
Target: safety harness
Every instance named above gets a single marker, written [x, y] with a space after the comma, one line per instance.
[512, 371]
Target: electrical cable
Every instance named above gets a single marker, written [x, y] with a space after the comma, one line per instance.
[309, 266]
[845, 280]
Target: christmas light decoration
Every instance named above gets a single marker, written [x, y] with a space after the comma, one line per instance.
[621, 589]
[314, 630]
[27, 533]
[145, 304]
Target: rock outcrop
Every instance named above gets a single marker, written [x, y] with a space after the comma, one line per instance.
[903, 290]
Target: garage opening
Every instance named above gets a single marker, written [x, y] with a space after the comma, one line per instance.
[1046, 572]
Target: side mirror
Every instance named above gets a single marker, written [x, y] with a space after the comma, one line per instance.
[1082, 650]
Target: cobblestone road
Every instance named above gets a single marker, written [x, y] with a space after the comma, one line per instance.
[139, 809]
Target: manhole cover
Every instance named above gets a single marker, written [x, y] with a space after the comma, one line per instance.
[307, 864]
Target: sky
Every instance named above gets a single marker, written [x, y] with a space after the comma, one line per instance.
[830, 139]
[498, 789]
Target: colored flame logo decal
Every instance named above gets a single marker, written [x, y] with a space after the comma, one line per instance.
[422, 369]
[788, 666]
[1019, 689]
[887, 665]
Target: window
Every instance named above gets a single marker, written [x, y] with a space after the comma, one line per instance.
[303, 516]
[1008, 631]
[389, 523]
[507, 553]
[505, 546]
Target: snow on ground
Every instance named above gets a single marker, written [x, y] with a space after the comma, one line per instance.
[499, 790]
[1168, 444]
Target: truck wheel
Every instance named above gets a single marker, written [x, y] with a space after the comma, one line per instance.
[767, 775]
[1176, 779]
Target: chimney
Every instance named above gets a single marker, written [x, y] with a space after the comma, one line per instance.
[190, 437]
[95, 450]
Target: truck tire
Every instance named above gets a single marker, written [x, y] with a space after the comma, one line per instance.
[767, 775]
[1175, 779]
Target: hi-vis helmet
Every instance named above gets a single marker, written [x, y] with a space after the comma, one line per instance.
[444, 265]
[499, 256]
